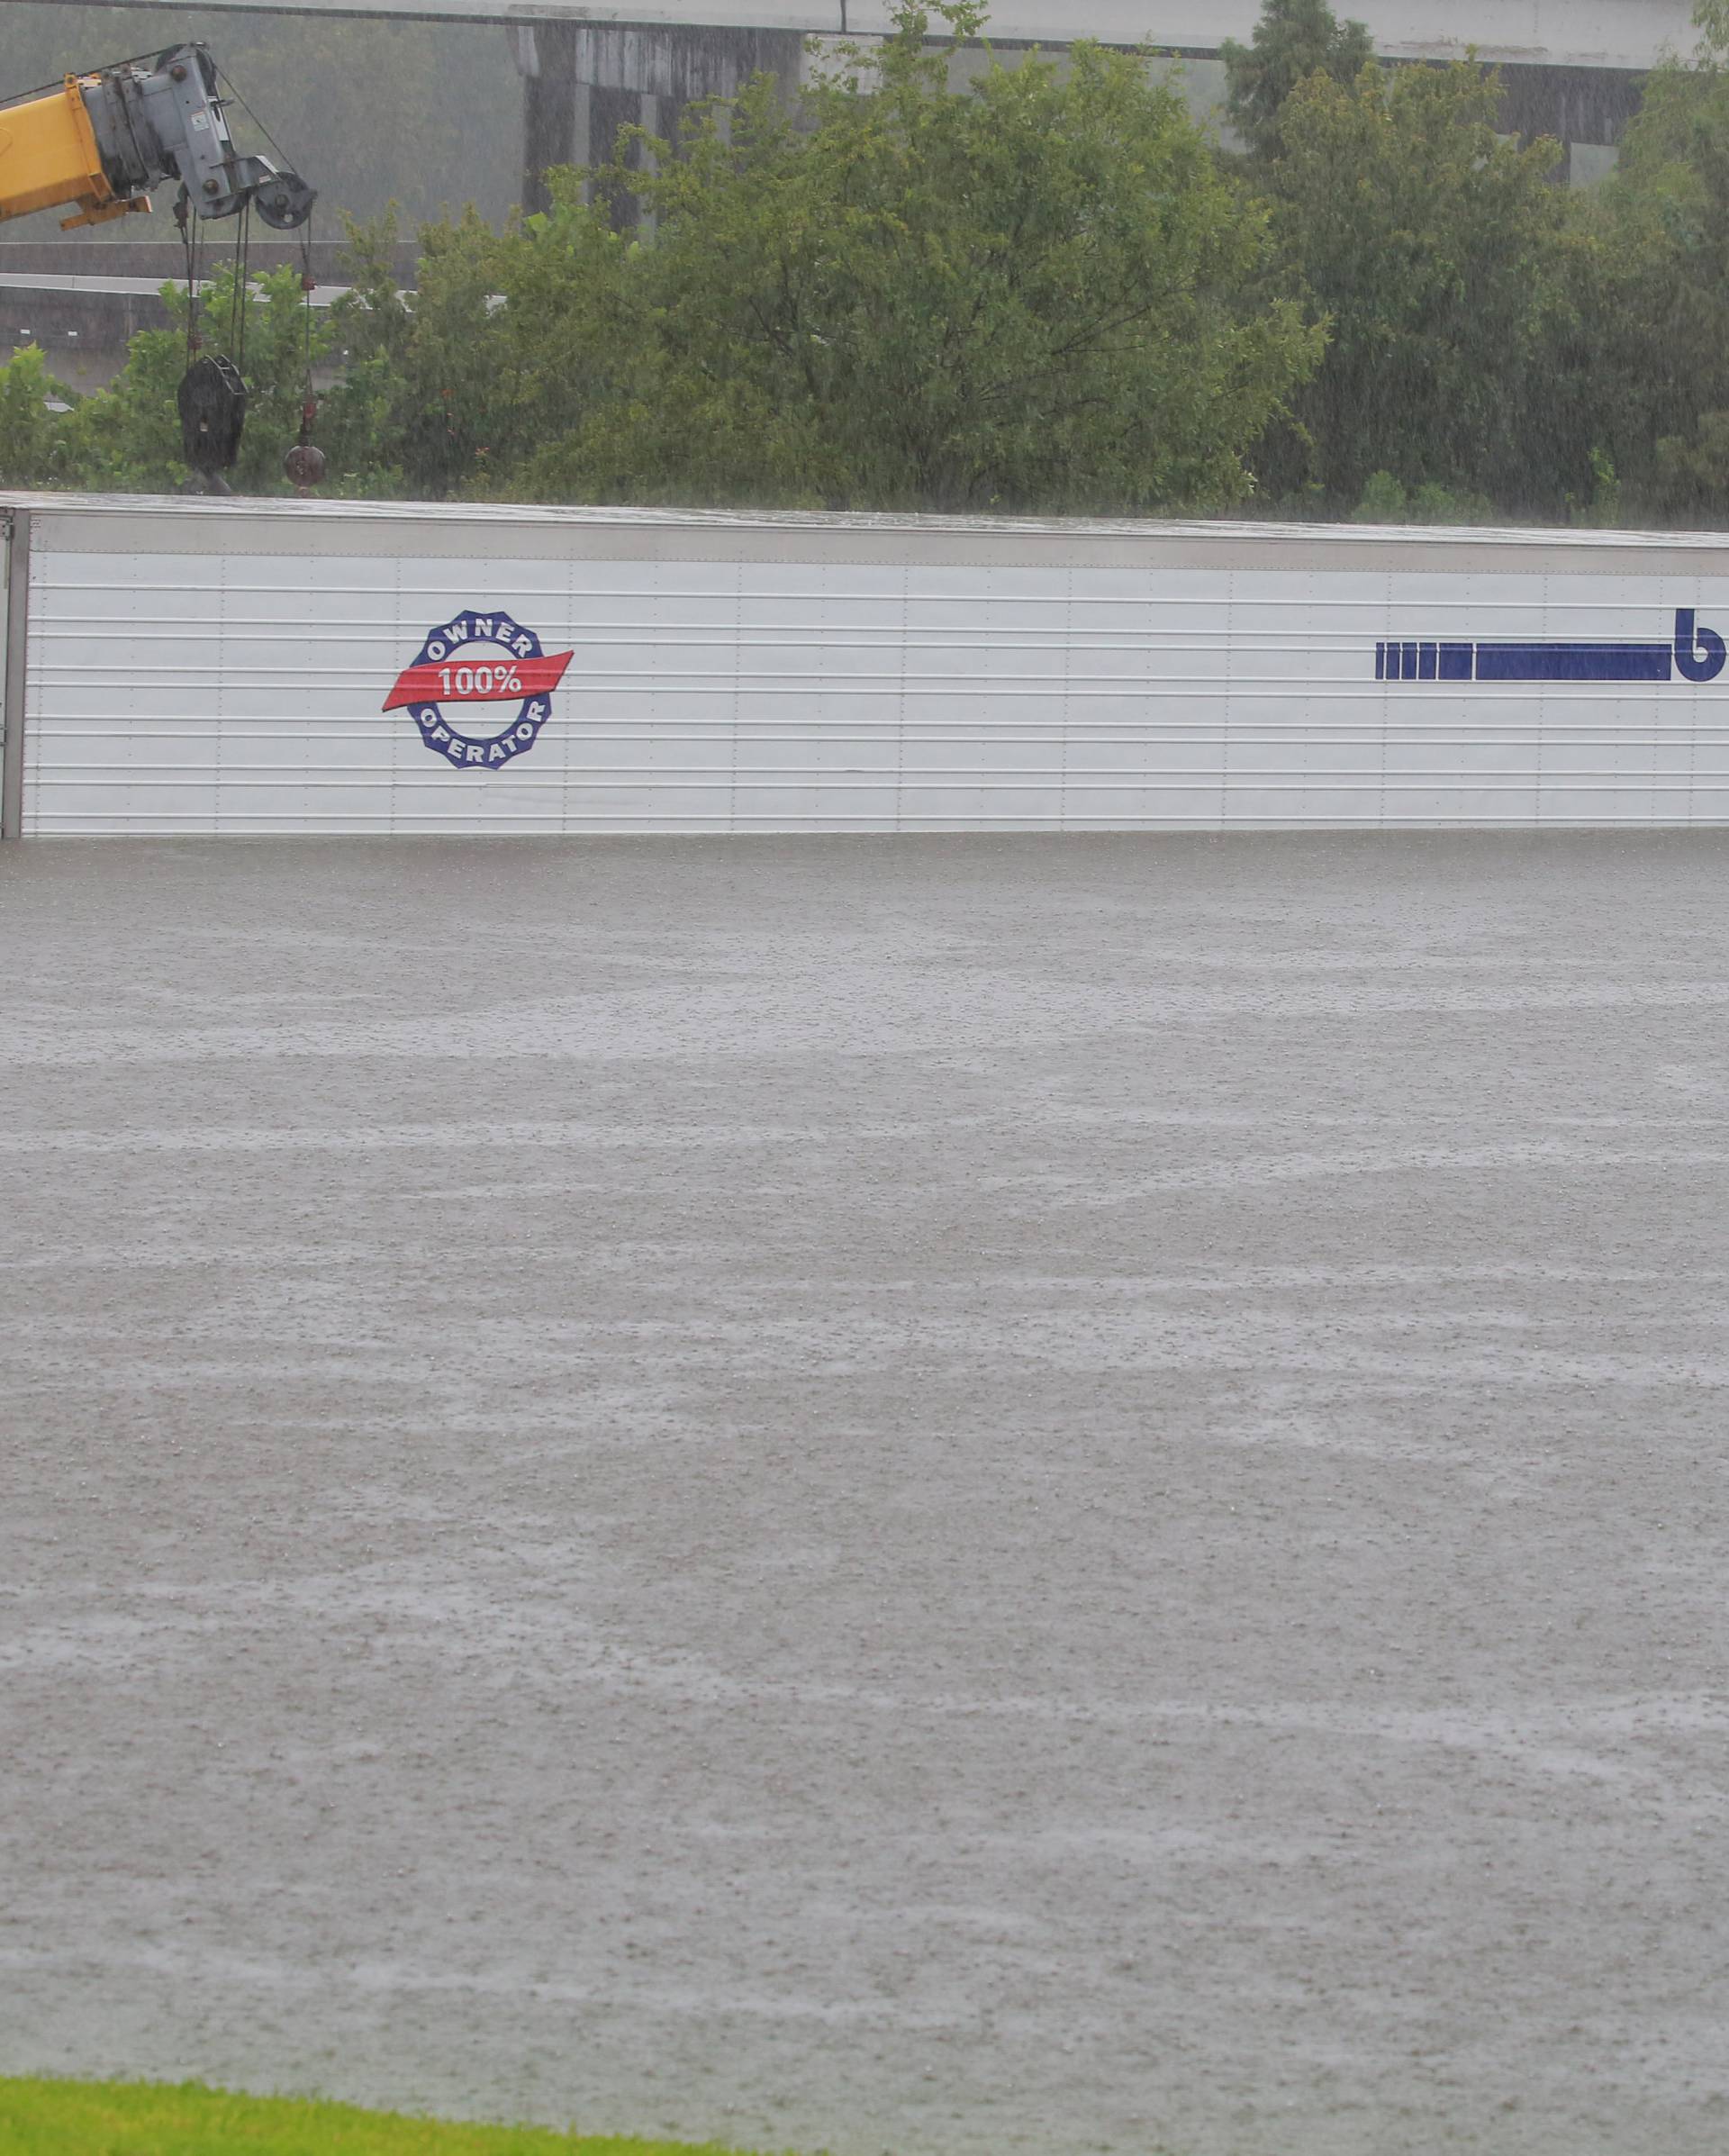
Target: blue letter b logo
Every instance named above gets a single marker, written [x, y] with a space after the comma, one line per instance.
[1699, 652]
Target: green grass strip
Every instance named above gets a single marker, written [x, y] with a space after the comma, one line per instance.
[40, 2117]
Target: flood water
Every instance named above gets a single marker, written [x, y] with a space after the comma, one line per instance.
[946, 1496]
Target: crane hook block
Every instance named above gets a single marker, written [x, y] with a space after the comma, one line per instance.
[213, 414]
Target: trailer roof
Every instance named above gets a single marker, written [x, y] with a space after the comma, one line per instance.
[247, 510]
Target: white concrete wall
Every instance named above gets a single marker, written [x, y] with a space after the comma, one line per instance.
[1605, 33]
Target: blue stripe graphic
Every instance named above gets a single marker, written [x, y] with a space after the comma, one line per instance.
[1575, 662]
[1697, 654]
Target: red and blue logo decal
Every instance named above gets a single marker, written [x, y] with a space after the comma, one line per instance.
[479, 658]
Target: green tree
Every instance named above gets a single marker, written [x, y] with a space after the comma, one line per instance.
[31, 441]
[1660, 321]
[430, 403]
[1293, 39]
[1030, 292]
[1388, 501]
[1448, 265]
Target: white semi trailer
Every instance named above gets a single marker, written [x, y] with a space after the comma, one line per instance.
[185, 665]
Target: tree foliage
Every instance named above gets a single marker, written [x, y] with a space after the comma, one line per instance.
[1293, 39]
[29, 437]
[1661, 300]
[1442, 256]
[430, 403]
[1033, 289]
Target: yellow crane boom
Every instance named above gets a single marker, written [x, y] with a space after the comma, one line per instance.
[97, 144]
[49, 157]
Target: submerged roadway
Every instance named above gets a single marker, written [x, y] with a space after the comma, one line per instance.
[963, 1496]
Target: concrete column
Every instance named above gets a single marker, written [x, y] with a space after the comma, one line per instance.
[583, 82]
[1575, 105]
[555, 105]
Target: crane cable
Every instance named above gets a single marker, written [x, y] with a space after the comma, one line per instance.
[308, 282]
[308, 286]
[240, 294]
[46, 89]
[188, 224]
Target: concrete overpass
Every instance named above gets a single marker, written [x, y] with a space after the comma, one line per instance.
[1623, 35]
[1573, 67]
